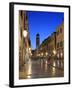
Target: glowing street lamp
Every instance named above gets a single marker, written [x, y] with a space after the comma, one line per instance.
[29, 49]
[46, 53]
[41, 54]
[26, 56]
[25, 33]
[54, 52]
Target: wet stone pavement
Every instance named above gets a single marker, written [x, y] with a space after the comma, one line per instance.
[41, 69]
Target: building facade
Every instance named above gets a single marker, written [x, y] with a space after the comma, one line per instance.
[53, 45]
[24, 39]
[60, 41]
[48, 46]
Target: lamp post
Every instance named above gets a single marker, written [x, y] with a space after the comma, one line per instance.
[25, 33]
[46, 53]
[54, 52]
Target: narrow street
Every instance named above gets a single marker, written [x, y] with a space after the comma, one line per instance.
[41, 43]
[41, 69]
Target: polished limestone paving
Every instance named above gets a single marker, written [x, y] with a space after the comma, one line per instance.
[41, 69]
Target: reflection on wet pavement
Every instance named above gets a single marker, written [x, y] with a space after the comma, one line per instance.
[41, 69]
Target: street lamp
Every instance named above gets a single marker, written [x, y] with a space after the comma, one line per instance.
[46, 53]
[25, 33]
[26, 55]
[29, 49]
[54, 52]
[41, 54]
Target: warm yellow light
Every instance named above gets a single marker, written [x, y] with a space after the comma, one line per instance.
[29, 70]
[42, 54]
[46, 53]
[54, 52]
[29, 76]
[25, 33]
[29, 49]
[54, 64]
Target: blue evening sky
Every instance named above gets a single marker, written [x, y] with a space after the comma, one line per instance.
[43, 23]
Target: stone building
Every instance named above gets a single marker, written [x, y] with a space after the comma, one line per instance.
[53, 45]
[60, 41]
[24, 39]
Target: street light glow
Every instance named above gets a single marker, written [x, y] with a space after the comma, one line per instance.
[29, 49]
[54, 64]
[25, 33]
[41, 54]
[46, 53]
[54, 52]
